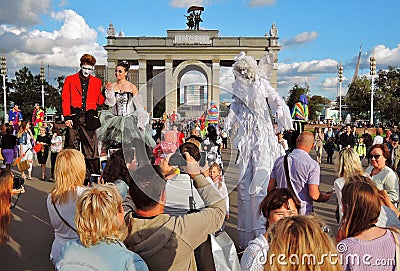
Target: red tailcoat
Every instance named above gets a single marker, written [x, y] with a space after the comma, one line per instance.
[72, 94]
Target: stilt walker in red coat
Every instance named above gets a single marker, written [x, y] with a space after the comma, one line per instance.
[81, 94]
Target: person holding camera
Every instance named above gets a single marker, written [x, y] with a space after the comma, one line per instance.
[182, 197]
[167, 242]
[7, 190]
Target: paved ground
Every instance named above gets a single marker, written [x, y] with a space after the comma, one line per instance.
[32, 235]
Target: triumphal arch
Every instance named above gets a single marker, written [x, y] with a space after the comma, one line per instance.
[181, 51]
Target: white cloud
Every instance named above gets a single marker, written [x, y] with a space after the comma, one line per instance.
[23, 12]
[187, 3]
[330, 82]
[313, 66]
[257, 3]
[386, 56]
[62, 47]
[301, 38]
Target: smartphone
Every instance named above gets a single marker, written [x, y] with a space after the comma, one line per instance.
[130, 155]
[203, 156]
[111, 151]
[18, 182]
[94, 178]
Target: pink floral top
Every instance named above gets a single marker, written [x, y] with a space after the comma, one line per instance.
[56, 143]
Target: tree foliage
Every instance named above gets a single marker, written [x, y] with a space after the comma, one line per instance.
[294, 95]
[27, 90]
[315, 103]
[358, 98]
[386, 96]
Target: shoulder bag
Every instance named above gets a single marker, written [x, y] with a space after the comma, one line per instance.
[63, 220]
[288, 181]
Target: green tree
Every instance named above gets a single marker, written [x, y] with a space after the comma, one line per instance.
[358, 98]
[315, 104]
[27, 90]
[387, 95]
[294, 95]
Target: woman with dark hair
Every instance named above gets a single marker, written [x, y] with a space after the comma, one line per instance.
[127, 122]
[278, 203]
[212, 146]
[382, 175]
[116, 168]
[358, 234]
[117, 171]
[8, 143]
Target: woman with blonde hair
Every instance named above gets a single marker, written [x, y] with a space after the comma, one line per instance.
[358, 234]
[348, 167]
[101, 228]
[298, 243]
[347, 164]
[69, 175]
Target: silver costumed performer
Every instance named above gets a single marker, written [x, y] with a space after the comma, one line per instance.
[255, 139]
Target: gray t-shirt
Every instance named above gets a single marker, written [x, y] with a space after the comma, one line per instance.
[303, 170]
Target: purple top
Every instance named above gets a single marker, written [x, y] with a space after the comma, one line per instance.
[365, 255]
[303, 170]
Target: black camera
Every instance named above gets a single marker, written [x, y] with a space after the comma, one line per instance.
[18, 182]
[178, 158]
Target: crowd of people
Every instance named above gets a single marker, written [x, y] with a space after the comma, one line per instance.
[161, 199]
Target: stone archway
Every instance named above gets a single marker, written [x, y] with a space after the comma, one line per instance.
[199, 49]
[179, 71]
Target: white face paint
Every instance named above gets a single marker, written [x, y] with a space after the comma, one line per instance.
[87, 70]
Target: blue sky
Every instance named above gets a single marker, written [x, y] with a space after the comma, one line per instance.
[315, 35]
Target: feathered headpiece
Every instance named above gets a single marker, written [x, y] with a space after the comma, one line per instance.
[245, 66]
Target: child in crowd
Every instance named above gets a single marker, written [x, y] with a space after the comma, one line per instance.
[283, 142]
[217, 179]
[330, 149]
[361, 148]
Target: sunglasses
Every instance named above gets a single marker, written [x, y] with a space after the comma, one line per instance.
[119, 71]
[375, 156]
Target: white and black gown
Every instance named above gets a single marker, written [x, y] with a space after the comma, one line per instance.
[125, 123]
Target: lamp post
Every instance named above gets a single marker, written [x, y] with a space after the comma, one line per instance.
[4, 74]
[340, 79]
[372, 72]
[42, 79]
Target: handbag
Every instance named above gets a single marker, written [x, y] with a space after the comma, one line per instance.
[224, 253]
[23, 165]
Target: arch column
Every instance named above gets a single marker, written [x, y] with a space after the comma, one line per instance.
[215, 81]
[143, 80]
[170, 89]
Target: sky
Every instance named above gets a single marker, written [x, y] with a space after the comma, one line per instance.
[315, 35]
